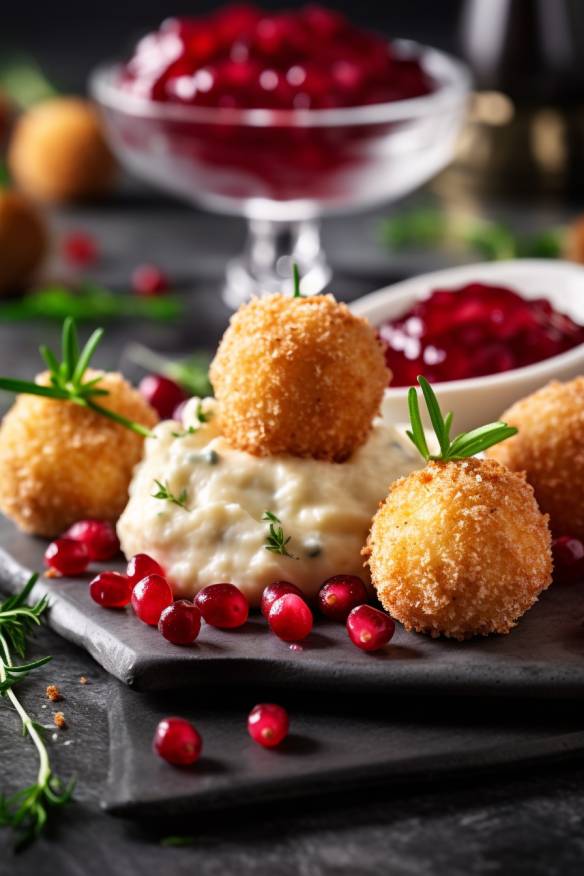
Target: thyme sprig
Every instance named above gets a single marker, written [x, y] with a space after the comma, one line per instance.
[276, 542]
[67, 381]
[26, 812]
[464, 445]
[164, 492]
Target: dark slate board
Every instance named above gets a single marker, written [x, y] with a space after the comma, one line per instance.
[544, 656]
[381, 741]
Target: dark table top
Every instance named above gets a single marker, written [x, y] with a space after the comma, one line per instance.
[525, 823]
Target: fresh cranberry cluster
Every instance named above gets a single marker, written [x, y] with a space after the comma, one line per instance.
[474, 331]
[241, 57]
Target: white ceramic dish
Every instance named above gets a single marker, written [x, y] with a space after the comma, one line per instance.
[478, 400]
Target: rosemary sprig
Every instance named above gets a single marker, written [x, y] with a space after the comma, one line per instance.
[276, 542]
[26, 812]
[164, 492]
[296, 278]
[464, 445]
[67, 378]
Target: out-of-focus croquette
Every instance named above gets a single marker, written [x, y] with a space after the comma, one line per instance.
[23, 240]
[549, 448]
[302, 376]
[60, 462]
[459, 549]
[58, 151]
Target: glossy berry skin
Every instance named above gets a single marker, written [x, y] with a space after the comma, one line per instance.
[268, 724]
[98, 536]
[110, 590]
[274, 591]
[150, 597]
[568, 556]
[177, 742]
[140, 566]
[80, 249]
[369, 628]
[222, 606]
[339, 595]
[67, 557]
[290, 618]
[180, 623]
[149, 281]
[162, 394]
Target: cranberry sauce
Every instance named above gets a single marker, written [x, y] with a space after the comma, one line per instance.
[241, 57]
[474, 331]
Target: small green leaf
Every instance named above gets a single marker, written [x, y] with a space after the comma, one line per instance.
[417, 435]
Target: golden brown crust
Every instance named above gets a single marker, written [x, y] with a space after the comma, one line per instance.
[459, 549]
[549, 448]
[60, 463]
[303, 376]
[23, 240]
[58, 151]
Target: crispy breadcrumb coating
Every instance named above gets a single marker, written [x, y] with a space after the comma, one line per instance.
[459, 549]
[60, 462]
[298, 375]
[550, 450]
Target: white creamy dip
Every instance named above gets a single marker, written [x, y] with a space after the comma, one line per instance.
[325, 507]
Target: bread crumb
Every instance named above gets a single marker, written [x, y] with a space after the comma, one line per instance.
[52, 573]
[59, 720]
[53, 693]
[84, 680]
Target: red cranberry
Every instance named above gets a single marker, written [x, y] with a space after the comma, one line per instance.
[150, 597]
[177, 742]
[110, 590]
[268, 724]
[161, 393]
[141, 566]
[79, 249]
[290, 618]
[369, 628]
[339, 594]
[98, 536]
[148, 280]
[222, 606]
[180, 622]
[67, 557]
[568, 555]
[274, 591]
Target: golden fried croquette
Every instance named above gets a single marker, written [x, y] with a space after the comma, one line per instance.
[302, 376]
[58, 152]
[550, 450]
[23, 240]
[60, 462]
[459, 549]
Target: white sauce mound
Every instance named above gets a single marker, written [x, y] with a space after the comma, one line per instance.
[325, 508]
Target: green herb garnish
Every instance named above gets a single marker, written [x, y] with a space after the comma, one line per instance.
[201, 416]
[67, 378]
[26, 811]
[275, 540]
[190, 431]
[164, 493]
[464, 445]
[296, 279]
[192, 372]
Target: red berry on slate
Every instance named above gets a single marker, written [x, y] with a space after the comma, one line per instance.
[98, 536]
[568, 556]
[148, 280]
[369, 628]
[150, 597]
[161, 393]
[290, 618]
[66, 556]
[177, 742]
[110, 590]
[180, 622]
[268, 724]
[141, 566]
[79, 249]
[340, 594]
[223, 606]
[274, 591]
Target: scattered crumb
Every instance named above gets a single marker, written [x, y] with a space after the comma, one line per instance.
[54, 737]
[52, 573]
[68, 742]
[84, 680]
[53, 693]
[59, 720]
[44, 706]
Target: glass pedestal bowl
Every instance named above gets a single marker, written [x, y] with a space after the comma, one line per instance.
[284, 169]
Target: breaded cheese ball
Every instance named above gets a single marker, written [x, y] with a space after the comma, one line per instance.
[302, 376]
[60, 462]
[549, 448]
[23, 240]
[459, 549]
[58, 152]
